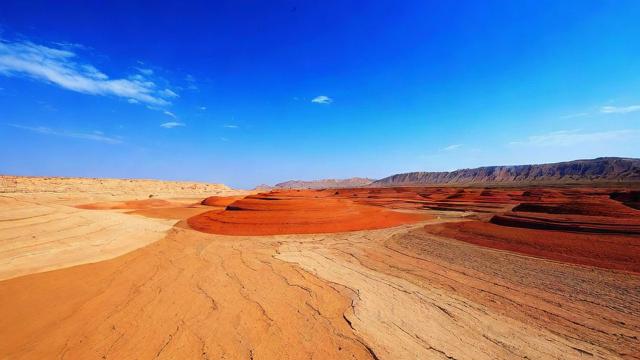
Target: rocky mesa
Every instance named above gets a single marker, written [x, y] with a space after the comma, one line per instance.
[602, 170]
[324, 183]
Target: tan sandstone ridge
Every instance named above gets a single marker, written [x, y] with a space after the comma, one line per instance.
[105, 188]
[418, 289]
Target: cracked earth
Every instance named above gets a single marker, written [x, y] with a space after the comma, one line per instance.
[137, 281]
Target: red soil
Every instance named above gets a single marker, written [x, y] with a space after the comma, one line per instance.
[130, 205]
[628, 198]
[576, 211]
[588, 226]
[298, 212]
[447, 199]
[570, 222]
[177, 213]
[220, 201]
[607, 251]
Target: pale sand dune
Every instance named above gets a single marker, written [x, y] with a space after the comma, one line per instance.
[37, 236]
[41, 228]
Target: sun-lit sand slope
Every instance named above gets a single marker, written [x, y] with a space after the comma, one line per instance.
[190, 295]
[38, 235]
[42, 229]
[425, 288]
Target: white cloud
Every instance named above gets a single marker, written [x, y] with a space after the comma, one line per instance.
[619, 109]
[169, 113]
[322, 100]
[62, 67]
[230, 126]
[172, 124]
[93, 136]
[451, 147]
[147, 72]
[567, 138]
[203, 108]
[168, 93]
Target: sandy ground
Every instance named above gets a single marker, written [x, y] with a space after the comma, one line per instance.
[101, 189]
[394, 293]
[419, 296]
[42, 228]
[37, 235]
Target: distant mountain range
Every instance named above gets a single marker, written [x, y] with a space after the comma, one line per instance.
[605, 169]
[324, 183]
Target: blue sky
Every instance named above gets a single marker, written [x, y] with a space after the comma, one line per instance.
[245, 92]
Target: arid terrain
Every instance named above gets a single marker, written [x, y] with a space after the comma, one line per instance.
[135, 269]
[324, 183]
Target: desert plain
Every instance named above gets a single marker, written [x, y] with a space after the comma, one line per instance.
[142, 269]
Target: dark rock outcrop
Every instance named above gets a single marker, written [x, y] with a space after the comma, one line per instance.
[324, 183]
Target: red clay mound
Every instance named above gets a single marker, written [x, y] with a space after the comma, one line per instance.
[574, 223]
[129, 205]
[448, 199]
[297, 213]
[607, 251]
[628, 198]
[582, 212]
[220, 201]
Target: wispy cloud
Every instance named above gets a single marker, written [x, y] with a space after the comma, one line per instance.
[322, 100]
[566, 138]
[167, 93]
[191, 82]
[451, 147]
[61, 66]
[172, 124]
[147, 72]
[619, 109]
[202, 108]
[230, 126]
[93, 136]
[576, 115]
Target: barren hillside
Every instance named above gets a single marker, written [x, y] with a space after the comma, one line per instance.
[324, 183]
[606, 169]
